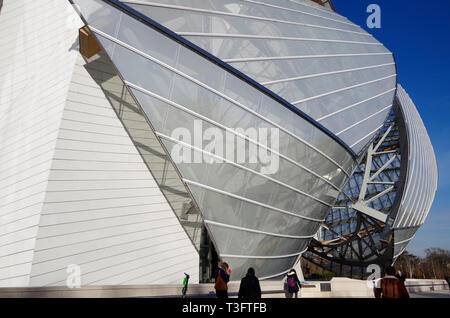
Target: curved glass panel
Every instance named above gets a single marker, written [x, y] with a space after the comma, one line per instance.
[194, 105]
[403, 181]
[264, 268]
[242, 243]
[319, 62]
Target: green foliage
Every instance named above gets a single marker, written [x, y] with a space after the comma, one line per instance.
[321, 276]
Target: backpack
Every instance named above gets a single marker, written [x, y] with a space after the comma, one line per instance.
[291, 281]
[220, 284]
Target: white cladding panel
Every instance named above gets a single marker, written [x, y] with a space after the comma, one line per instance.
[36, 62]
[422, 178]
[74, 189]
[103, 210]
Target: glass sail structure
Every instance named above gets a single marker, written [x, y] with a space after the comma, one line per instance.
[174, 134]
[400, 183]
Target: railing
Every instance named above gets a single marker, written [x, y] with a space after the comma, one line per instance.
[428, 285]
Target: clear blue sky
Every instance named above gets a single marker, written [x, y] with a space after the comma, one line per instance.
[417, 32]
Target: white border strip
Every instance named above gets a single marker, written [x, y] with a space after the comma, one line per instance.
[244, 229]
[221, 95]
[191, 112]
[401, 242]
[307, 13]
[324, 74]
[363, 120]
[368, 135]
[269, 37]
[271, 276]
[264, 257]
[298, 11]
[200, 185]
[400, 253]
[317, 7]
[295, 57]
[243, 16]
[243, 168]
[356, 104]
[342, 89]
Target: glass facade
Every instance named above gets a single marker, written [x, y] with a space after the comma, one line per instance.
[273, 129]
[275, 214]
[349, 241]
[320, 62]
[298, 53]
[150, 149]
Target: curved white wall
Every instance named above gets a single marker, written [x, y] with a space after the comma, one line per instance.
[422, 178]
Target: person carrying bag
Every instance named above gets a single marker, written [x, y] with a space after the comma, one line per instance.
[292, 284]
[222, 278]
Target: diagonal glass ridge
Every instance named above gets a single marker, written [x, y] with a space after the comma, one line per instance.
[103, 72]
[265, 220]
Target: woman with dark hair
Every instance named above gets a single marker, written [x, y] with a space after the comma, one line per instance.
[292, 284]
[250, 288]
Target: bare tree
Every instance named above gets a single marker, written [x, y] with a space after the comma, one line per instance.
[436, 264]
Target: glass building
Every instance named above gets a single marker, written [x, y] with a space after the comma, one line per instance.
[129, 128]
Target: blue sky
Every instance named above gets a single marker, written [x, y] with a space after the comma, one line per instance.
[417, 32]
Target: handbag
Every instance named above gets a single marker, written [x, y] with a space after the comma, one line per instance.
[220, 284]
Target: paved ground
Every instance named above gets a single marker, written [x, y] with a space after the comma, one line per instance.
[432, 294]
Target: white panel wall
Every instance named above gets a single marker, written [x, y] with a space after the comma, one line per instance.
[73, 188]
[422, 178]
[36, 62]
[103, 210]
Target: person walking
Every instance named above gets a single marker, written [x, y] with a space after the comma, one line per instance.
[447, 279]
[390, 286]
[250, 288]
[400, 276]
[292, 284]
[221, 279]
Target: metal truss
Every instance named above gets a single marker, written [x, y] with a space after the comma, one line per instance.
[357, 231]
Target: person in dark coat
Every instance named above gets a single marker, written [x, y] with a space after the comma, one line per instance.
[250, 288]
[221, 277]
[400, 276]
[292, 284]
[447, 278]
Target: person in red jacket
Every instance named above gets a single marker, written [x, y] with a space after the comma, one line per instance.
[390, 286]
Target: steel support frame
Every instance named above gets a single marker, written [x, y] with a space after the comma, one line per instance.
[364, 244]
